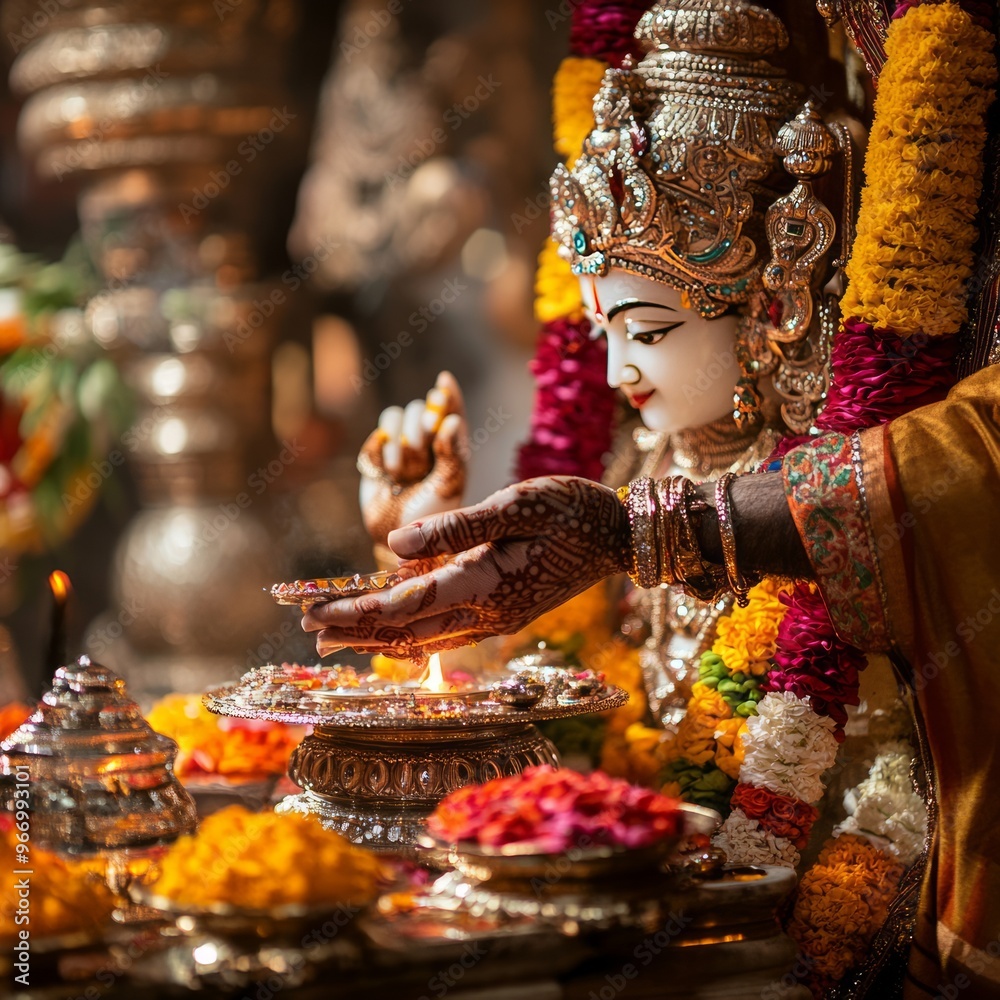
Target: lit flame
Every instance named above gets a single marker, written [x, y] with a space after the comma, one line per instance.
[61, 587]
[433, 679]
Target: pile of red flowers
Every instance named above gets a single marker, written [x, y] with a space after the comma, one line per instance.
[554, 809]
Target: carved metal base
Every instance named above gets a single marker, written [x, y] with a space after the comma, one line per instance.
[378, 786]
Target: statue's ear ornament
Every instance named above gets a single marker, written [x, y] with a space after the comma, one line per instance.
[800, 232]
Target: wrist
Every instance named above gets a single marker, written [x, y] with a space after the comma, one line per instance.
[708, 525]
[622, 554]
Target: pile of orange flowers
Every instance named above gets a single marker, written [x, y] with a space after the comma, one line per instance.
[263, 860]
[236, 749]
[66, 897]
[842, 902]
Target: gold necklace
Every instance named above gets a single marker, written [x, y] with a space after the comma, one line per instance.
[720, 446]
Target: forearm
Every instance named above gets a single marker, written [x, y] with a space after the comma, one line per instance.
[767, 541]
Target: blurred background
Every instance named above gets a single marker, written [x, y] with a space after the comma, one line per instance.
[234, 231]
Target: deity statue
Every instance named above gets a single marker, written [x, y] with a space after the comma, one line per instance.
[699, 267]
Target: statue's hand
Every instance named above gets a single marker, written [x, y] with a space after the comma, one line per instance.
[520, 553]
[414, 464]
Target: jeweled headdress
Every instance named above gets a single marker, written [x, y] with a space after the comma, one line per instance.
[672, 181]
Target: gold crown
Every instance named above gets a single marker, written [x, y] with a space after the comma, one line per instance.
[683, 144]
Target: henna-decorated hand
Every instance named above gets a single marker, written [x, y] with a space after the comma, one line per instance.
[414, 464]
[520, 553]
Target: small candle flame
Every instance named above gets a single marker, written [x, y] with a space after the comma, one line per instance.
[433, 679]
[61, 590]
[60, 586]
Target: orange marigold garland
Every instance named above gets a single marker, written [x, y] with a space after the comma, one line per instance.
[842, 902]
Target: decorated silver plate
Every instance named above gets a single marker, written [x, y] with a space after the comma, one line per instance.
[337, 696]
[305, 593]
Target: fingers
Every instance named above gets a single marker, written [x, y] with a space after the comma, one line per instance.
[450, 449]
[497, 517]
[419, 567]
[417, 652]
[445, 398]
[461, 622]
[441, 590]
[415, 458]
[390, 423]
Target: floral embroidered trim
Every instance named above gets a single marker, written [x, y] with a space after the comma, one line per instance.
[826, 502]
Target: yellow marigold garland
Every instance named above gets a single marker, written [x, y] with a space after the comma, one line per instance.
[914, 247]
[576, 82]
[696, 733]
[557, 289]
[729, 749]
[747, 636]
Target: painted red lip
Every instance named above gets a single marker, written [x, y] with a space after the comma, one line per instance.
[638, 400]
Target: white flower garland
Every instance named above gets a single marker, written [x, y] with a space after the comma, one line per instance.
[788, 747]
[885, 809]
[746, 842]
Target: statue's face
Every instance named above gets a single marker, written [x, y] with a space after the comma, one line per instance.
[677, 369]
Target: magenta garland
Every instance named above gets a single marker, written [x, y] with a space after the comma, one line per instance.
[573, 415]
[878, 376]
[602, 30]
[812, 661]
[574, 407]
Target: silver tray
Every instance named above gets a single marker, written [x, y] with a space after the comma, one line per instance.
[318, 708]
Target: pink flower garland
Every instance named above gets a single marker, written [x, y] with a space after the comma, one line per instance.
[574, 406]
[571, 424]
[878, 376]
[602, 30]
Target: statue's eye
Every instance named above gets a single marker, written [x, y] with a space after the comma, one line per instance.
[651, 337]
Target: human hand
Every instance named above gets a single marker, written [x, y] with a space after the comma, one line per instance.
[414, 463]
[521, 552]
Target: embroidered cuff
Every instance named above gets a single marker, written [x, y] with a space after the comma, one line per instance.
[824, 484]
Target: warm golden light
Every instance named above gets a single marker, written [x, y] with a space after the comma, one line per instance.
[60, 585]
[433, 679]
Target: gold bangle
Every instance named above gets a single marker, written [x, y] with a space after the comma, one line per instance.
[739, 586]
[641, 508]
[665, 536]
[699, 578]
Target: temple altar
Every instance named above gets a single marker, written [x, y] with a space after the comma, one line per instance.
[382, 393]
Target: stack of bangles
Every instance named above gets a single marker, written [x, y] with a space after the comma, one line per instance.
[662, 518]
